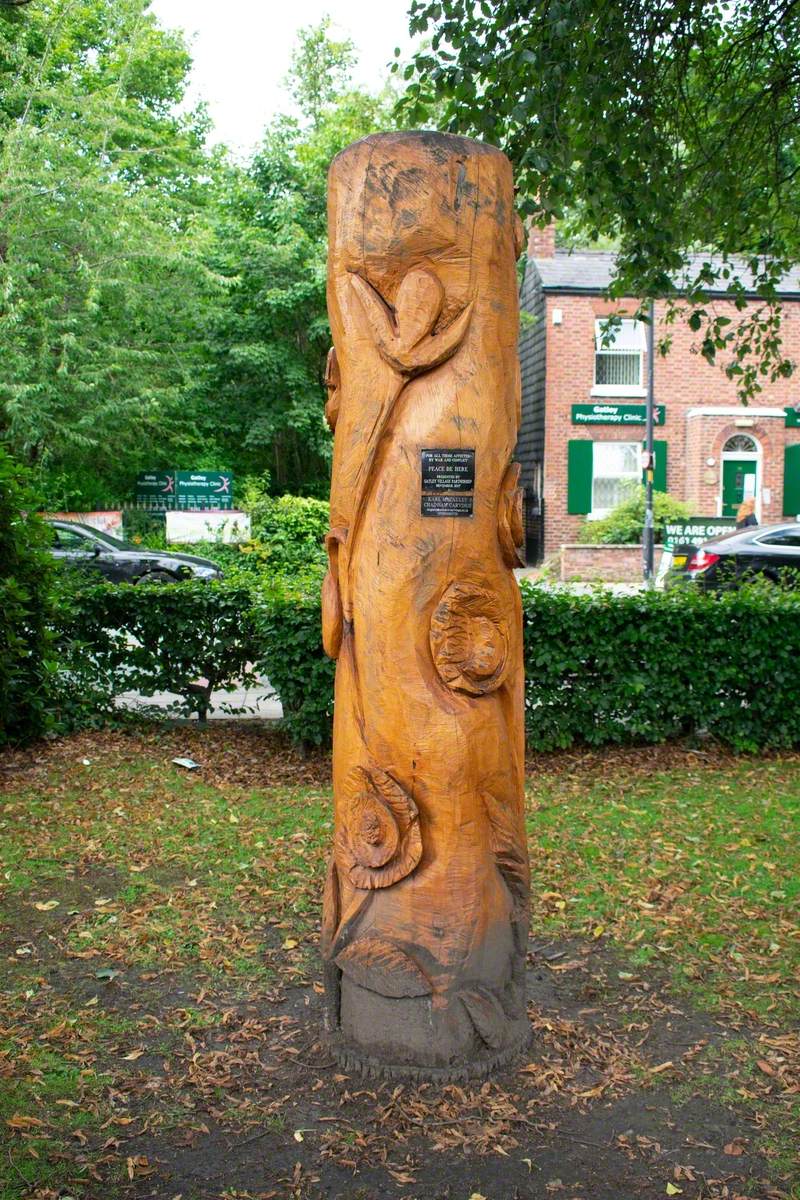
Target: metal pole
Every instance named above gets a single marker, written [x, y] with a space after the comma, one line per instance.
[648, 539]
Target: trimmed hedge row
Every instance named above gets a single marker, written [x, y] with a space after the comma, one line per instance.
[606, 668]
[25, 571]
[600, 668]
[189, 638]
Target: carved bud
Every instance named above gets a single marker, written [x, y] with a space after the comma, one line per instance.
[469, 639]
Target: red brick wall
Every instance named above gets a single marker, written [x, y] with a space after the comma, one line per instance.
[615, 564]
[683, 380]
[542, 242]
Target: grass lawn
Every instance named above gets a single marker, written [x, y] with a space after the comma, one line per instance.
[160, 1012]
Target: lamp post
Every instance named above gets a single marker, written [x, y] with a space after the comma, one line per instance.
[648, 539]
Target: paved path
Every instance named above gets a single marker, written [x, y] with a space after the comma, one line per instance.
[260, 701]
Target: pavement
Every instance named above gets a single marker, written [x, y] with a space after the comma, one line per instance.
[259, 702]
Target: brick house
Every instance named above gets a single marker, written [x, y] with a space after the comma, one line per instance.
[583, 407]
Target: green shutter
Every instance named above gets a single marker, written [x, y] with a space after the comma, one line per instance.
[791, 481]
[660, 473]
[579, 476]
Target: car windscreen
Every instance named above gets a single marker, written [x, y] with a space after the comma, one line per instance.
[107, 539]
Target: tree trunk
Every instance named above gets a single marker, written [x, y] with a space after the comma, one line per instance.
[426, 901]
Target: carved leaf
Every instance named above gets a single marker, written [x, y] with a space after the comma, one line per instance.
[510, 525]
[332, 383]
[404, 354]
[332, 619]
[508, 847]
[382, 967]
[487, 1016]
[418, 304]
[330, 909]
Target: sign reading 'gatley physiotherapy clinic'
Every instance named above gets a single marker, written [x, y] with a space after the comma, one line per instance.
[161, 491]
[205, 489]
[696, 530]
[615, 414]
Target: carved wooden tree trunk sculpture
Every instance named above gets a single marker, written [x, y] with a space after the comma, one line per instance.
[425, 908]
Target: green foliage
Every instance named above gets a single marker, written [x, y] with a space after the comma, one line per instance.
[288, 534]
[700, 104]
[25, 608]
[625, 523]
[601, 668]
[320, 70]
[189, 638]
[296, 665]
[263, 394]
[102, 285]
[606, 668]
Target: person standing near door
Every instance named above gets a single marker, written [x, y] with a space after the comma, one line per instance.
[746, 514]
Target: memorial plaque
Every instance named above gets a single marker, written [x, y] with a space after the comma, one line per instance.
[448, 471]
[446, 506]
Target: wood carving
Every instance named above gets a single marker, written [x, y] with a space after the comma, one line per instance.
[426, 901]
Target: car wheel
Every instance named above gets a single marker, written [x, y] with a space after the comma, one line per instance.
[157, 577]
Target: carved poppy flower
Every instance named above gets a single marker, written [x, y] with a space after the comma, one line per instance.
[379, 840]
[469, 639]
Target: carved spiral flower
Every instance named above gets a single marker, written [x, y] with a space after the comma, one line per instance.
[379, 840]
[469, 639]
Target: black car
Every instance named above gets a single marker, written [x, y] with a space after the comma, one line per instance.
[123, 562]
[768, 552]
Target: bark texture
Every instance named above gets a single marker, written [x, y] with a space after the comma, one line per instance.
[426, 900]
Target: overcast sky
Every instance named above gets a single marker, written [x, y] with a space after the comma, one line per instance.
[242, 49]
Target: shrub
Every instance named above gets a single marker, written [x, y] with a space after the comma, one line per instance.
[288, 533]
[625, 523]
[602, 668]
[293, 660]
[189, 638]
[25, 602]
[641, 668]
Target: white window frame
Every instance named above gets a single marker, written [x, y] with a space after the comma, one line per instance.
[638, 334]
[635, 475]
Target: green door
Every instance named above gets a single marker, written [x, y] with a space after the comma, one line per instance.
[735, 473]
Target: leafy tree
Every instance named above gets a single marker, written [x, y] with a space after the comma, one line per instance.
[102, 284]
[672, 126]
[268, 343]
[26, 609]
[320, 69]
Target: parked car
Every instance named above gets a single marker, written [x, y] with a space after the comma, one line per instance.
[122, 562]
[767, 552]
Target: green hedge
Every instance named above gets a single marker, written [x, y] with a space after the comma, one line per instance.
[189, 638]
[293, 660]
[606, 668]
[25, 572]
[600, 668]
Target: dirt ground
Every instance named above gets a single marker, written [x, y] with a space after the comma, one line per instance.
[207, 1086]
